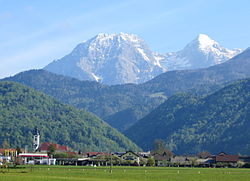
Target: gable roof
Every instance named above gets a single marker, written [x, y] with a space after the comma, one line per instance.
[226, 158]
[159, 157]
[244, 158]
[131, 152]
[180, 159]
[222, 153]
[45, 147]
[92, 154]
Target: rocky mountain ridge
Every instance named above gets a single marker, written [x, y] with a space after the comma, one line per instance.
[125, 58]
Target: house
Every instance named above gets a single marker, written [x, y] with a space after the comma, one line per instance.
[95, 154]
[36, 159]
[179, 161]
[162, 158]
[99, 158]
[205, 162]
[244, 159]
[223, 159]
[119, 154]
[144, 154]
[58, 148]
[7, 154]
[131, 157]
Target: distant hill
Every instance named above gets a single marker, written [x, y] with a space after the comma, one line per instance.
[122, 105]
[23, 109]
[102, 100]
[201, 80]
[189, 124]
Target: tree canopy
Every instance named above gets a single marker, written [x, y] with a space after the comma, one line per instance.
[23, 109]
[191, 124]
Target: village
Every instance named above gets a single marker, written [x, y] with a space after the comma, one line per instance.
[55, 154]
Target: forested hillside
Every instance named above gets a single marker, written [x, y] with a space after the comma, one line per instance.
[102, 100]
[189, 124]
[23, 109]
[122, 105]
[201, 80]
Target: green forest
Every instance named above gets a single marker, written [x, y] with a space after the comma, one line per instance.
[191, 110]
[107, 102]
[23, 109]
[111, 103]
[190, 124]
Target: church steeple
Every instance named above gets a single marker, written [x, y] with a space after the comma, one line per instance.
[36, 141]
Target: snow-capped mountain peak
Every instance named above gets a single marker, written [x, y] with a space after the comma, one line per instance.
[129, 37]
[200, 53]
[203, 42]
[102, 37]
[125, 58]
[111, 59]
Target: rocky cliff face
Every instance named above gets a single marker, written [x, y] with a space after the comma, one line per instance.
[202, 52]
[110, 59]
[125, 58]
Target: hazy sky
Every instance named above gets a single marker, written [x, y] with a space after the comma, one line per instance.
[35, 32]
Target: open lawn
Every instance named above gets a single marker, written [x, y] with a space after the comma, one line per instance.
[69, 173]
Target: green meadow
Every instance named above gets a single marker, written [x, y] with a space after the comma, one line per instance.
[65, 173]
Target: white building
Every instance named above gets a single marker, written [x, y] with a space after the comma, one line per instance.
[37, 158]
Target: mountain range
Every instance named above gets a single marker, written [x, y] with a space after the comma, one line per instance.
[191, 124]
[110, 59]
[202, 52]
[125, 58]
[122, 105]
[102, 100]
[187, 98]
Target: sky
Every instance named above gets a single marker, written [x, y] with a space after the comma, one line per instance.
[34, 33]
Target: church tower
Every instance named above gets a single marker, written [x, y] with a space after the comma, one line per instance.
[36, 141]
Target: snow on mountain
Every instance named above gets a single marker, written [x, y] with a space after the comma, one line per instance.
[200, 53]
[110, 59]
[125, 58]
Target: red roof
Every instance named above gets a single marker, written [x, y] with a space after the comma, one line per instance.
[227, 158]
[44, 156]
[71, 153]
[45, 147]
[91, 154]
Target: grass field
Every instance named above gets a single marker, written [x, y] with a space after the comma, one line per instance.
[66, 173]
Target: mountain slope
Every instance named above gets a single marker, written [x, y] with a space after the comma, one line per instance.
[124, 58]
[23, 109]
[202, 52]
[205, 79]
[111, 103]
[102, 100]
[191, 124]
[110, 59]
